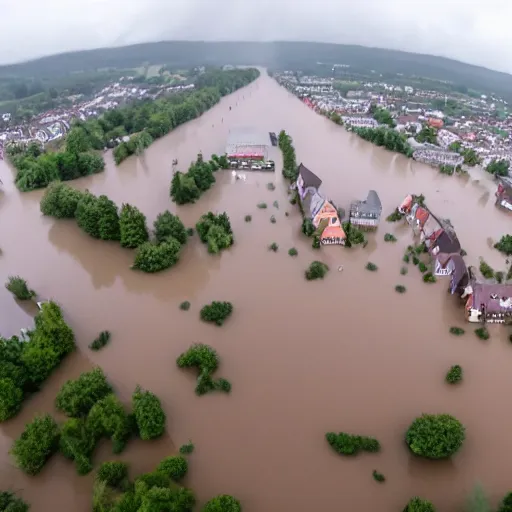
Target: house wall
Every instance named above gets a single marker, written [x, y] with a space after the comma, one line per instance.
[329, 213]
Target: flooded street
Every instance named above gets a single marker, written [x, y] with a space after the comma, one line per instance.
[344, 354]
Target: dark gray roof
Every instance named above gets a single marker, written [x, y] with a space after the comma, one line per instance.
[373, 200]
[371, 204]
[310, 178]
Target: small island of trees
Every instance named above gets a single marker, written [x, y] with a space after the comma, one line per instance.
[215, 231]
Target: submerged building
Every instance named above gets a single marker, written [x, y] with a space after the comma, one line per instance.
[366, 214]
[247, 144]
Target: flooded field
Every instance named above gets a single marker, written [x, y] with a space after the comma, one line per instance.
[344, 354]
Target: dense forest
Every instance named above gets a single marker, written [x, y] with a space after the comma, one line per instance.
[277, 55]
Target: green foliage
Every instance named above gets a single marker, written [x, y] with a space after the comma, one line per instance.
[419, 505]
[429, 277]
[19, 288]
[202, 173]
[482, 333]
[77, 397]
[400, 288]
[184, 189]
[457, 331]
[174, 467]
[316, 270]
[422, 267]
[383, 116]
[486, 270]
[498, 167]
[308, 227]
[271, 186]
[447, 169]
[190, 231]
[470, 157]
[77, 443]
[478, 502]
[114, 473]
[273, 219]
[403, 271]
[216, 312]
[275, 204]
[316, 242]
[293, 251]
[454, 374]
[222, 503]
[290, 170]
[395, 216]
[149, 415]
[151, 257]
[427, 134]
[415, 260]
[261, 206]
[87, 214]
[37, 443]
[133, 227]
[371, 267]
[354, 235]
[248, 218]
[435, 436]
[60, 201]
[187, 448]
[9, 502]
[506, 504]
[378, 477]
[107, 418]
[215, 230]
[386, 137]
[273, 247]
[108, 219]
[135, 146]
[504, 245]
[406, 258]
[388, 237]
[102, 340]
[185, 305]
[11, 398]
[168, 225]
[348, 444]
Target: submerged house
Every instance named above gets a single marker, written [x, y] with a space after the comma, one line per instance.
[504, 193]
[366, 214]
[307, 182]
[453, 265]
[491, 303]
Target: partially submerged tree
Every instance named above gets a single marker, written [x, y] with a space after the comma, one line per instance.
[216, 312]
[60, 201]
[149, 415]
[167, 226]
[151, 257]
[133, 227]
[19, 288]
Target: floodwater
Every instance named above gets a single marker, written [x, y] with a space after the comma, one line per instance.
[344, 354]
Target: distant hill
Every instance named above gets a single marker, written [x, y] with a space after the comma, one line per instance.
[280, 55]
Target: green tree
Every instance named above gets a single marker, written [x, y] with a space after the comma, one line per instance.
[108, 221]
[120, 153]
[504, 245]
[151, 257]
[222, 503]
[133, 227]
[498, 167]
[477, 501]
[114, 473]
[11, 398]
[470, 157]
[217, 312]
[202, 174]
[149, 415]
[60, 201]
[77, 140]
[174, 467]
[19, 288]
[77, 443]
[87, 214]
[184, 189]
[506, 504]
[168, 225]
[419, 505]
[9, 502]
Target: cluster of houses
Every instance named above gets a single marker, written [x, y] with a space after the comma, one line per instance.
[484, 301]
[324, 214]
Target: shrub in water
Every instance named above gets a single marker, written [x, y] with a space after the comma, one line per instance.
[37, 443]
[271, 186]
[316, 270]
[185, 306]
[88, 214]
[185, 449]
[273, 247]
[348, 444]
[261, 206]
[454, 375]
[482, 333]
[222, 385]
[155, 258]
[499, 275]
[11, 398]
[457, 331]
[486, 270]
[429, 278]
[354, 235]
[272, 219]
[102, 340]
[19, 288]
[400, 288]
[316, 242]
[108, 219]
[371, 266]
[275, 204]
[113, 473]
[190, 231]
[149, 415]
[293, 251]
[435, 436]
[215, 230]
[175, 467]
[216, 312]
[415, 260]
[388, 237]
[168, 226]
[403, 271]
[394, 217]
[419, 505]
[406, 258]
[286, 214]
[378, 477]
[60, 201]
[504, 245]
[308, 227]
[223, 503]
[506, 504]
[77, 443]
[132, 223]
[9, 502]
[422, 267]
[248, 218]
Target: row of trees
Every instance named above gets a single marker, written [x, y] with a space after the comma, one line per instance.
[25, 365]
[386, 137]
[37, 168]
[290, 170]
[382, 116]
[94, 413]
[215, 231]
[135, 146]
[470, 155]
[498, 167]
[187, 187]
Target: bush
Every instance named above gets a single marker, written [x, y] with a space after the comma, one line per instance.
[403, 271]
[187, 448]
[184, 189]
[262, 206]
[275, 204]
[175, 467]
[378, 477]
[388, 237]
[19, 288]
[273, 219]
[222, 503]
[215, 230]
[316, 242]
[271, 186]
[190, 231]
[429, 278]
[132, 223]
[415, 260]
[435, 436]
[77, 443]
[114, 474]
[185, 305]
[222, 385]
[400, 288]
[60, 201]
[88, 214]
[168, 226]
[317, 270]
[419, 505]
[108, 221]
[293, 251]
[77, 397]
[395, 216]
[37, 443]
[248, 218]
[11, 371]
[504, 245]
[454, 375]
[9, 502]
[422, 267]
[11, 398]
[149, 415]
[486, 270]
[102, 340]
[354, 235]
[308, 228]
[348, 444]
[371, 267]
[216, 312]
[482, 333]
[406, 258]
[273, 247]
[506, 504]
[155, 258]
[457, 331]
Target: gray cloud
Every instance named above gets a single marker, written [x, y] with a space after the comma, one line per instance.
[469, 30]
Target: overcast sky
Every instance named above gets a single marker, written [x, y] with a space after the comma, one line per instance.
[474, 31]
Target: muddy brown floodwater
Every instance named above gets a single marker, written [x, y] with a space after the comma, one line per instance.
[343, 354]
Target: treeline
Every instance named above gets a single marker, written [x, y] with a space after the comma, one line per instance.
[37, 168]
[290, 170]
[100, 218]
[187, 187]
[386, 137]
[498, 167]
